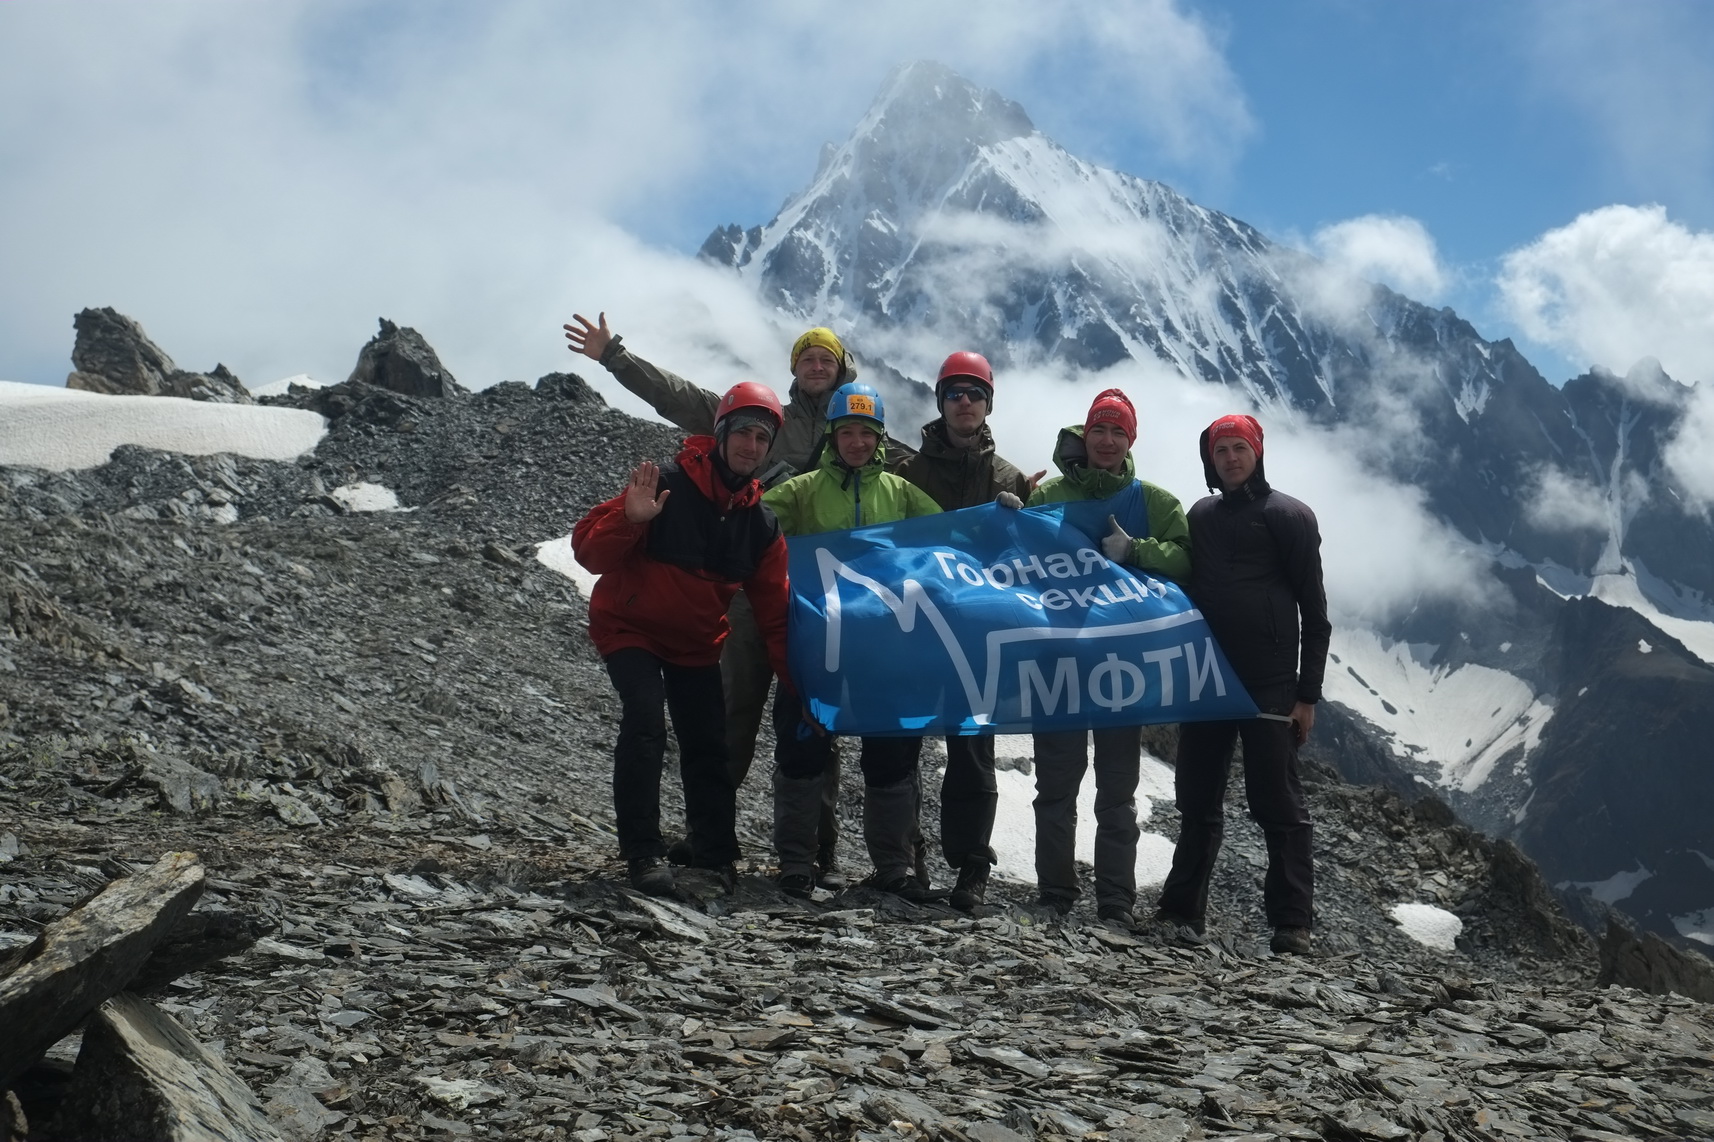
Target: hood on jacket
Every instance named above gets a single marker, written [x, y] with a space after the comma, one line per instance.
[831, 462]
[1071, 457]
[1254, 486]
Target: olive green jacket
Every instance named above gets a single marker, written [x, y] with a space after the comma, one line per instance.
[960, 477]
[691, 407]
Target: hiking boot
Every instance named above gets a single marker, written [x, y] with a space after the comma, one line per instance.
[1290, 941]
[651, 875]
[797, 884]
[1059, 905]
[1116, 914]
[1171, 928]
[904, 885]
[679, 853]
[972, 886]
[728, 874]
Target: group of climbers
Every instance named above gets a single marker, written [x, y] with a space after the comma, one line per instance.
[689, 613]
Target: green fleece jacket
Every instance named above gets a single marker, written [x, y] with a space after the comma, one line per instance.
[835, 498]
[1166, 548]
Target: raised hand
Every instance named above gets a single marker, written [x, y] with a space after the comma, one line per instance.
[590, 340]
[641, 503]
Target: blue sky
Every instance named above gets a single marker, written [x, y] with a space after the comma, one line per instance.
[257, 183]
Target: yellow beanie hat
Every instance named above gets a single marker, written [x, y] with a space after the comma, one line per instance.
[822, 336]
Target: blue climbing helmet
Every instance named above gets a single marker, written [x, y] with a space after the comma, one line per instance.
[857, 401]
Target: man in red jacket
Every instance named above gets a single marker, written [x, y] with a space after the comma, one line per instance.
[671, 550]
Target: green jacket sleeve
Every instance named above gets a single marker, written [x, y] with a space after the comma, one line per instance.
[682, 403]
[782, 500]
[1167, 549]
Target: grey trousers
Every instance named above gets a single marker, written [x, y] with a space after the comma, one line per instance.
[1061, 759]
[748, 676]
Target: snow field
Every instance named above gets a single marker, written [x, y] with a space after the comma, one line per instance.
[66, 429]
[1465, 719]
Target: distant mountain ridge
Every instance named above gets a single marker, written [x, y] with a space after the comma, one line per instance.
[947, 214]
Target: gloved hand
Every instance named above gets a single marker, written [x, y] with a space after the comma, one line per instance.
[1009, 500]
[1117, 545]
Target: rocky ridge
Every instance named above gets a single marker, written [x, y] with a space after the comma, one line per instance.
[113, 355]
[387, 736]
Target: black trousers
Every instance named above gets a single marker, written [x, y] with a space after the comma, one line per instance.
[801, 752]
[968, 799]
[1275, 794]
[694, 697]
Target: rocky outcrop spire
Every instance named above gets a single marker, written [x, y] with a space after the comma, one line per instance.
[114, 355]
[400, 359]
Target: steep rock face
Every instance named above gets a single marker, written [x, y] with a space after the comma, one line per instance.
[401, 359]
[1622, 783]
[113, 355]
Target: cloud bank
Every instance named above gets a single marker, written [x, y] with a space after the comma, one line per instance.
[258, 183]
[1618, 284]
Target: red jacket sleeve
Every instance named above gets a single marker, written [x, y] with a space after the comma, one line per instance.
[770, 594]
[603, 539]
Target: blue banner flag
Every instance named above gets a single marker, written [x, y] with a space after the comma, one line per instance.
[992, 620]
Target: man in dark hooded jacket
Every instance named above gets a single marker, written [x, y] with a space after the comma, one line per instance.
[1256, 577]
[958, 467]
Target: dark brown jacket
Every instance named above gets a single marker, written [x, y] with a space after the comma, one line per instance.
[960, 477]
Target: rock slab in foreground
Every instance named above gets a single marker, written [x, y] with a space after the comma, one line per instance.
[141, 1075]
[53, 984]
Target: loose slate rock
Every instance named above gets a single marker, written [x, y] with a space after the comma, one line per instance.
[80, 960]
[141, 1075]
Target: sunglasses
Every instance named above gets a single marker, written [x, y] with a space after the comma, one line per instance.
[965, 392]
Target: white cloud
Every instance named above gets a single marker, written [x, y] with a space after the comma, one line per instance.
[1618, 284]
[1394, 251]
[1689, 456]
[257, 183]
[1561, 502]
[1382, 550]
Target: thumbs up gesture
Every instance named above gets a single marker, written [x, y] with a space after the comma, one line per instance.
[1117, 545]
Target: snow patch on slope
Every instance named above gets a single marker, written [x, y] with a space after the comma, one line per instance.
[1625, 591]
[1463, 720]
[1616, 887]
[67, 429]
[1698, 926]
[556, 555]
[1428, 925]
[1677, 611]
